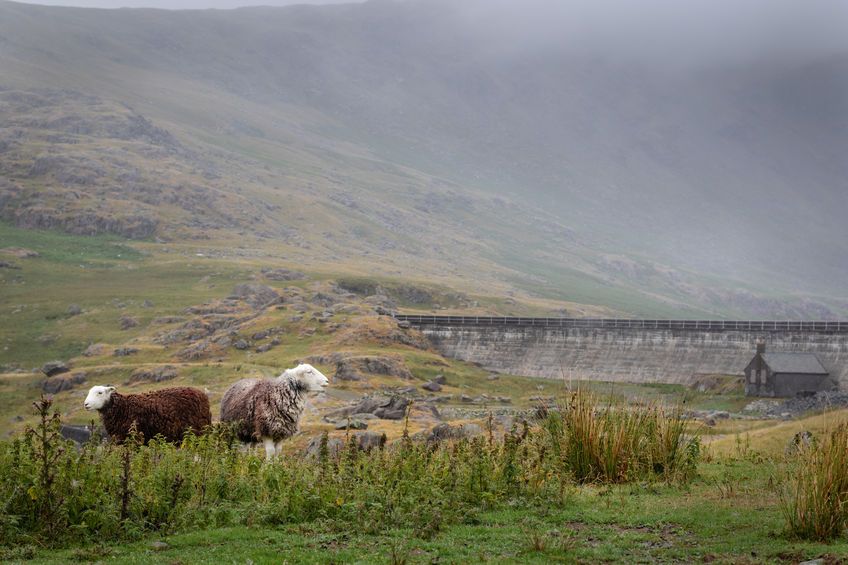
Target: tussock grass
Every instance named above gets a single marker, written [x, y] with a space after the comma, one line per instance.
[614, 444]
[815, 500]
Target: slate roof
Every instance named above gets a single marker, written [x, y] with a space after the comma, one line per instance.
[806, 363]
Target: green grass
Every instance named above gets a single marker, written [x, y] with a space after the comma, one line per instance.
[64, 248]
[107, 279]
[632, 523]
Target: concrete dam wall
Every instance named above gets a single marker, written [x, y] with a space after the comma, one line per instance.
[667, 351]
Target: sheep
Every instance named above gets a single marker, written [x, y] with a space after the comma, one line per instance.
[169, 412]
[269, 410]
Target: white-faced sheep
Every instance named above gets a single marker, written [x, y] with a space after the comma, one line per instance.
[169, 412]
[269, 410]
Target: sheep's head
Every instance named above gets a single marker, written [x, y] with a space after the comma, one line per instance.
[311, 378]
[98, 397]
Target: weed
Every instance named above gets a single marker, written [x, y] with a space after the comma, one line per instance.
[399, 554]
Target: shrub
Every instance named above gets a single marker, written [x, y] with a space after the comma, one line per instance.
[815, 500]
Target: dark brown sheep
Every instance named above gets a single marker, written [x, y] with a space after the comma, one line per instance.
[169, 412]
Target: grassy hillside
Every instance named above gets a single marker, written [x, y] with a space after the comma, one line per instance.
[292, 131]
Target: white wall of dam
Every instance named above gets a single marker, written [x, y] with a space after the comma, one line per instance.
[627, 355]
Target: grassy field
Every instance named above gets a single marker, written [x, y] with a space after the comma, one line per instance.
[728, 514]
[620, 524]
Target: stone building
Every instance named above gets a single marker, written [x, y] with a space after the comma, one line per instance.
[785, 374]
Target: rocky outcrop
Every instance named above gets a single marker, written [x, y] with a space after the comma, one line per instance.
[282, 275]
[386, 408]
[85, 223]
[55, 385]
[352, 368]
[153, 375]
[257, 295]
[54, 368]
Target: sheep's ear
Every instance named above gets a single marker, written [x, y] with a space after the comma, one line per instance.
[110, 388]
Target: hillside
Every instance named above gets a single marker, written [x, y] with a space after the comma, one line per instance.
[387, 136]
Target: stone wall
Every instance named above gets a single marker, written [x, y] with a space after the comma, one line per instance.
[632, 355]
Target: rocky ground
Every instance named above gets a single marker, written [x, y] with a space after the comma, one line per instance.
[379, 384]
[799, 406]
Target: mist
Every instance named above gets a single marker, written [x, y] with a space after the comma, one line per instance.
[706, 136]
[179, 4]
[695, 32]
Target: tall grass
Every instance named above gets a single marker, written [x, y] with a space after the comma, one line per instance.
[54, 493]
[815, 500]
[614, 443]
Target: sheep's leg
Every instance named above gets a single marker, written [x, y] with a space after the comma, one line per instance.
[278, 447]
[269, 448]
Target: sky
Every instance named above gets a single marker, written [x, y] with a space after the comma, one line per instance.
[178, 4]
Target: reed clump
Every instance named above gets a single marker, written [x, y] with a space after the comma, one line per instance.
[814, 500]
[615, 443]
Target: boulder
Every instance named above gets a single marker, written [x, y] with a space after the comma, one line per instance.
[393, 408]
[55, 385]
[442, 432]
[323, 300]
[351, 425]
[383, 311]
[264, 348]
[346, 372]
[282, 275]
[440, 379]
[54, 368]
[313, 448]
[77, 434]
[128, 322]
[95, 349]
[196, 351]
[124, 351]
[154, 375]
[375, 365]
[257, 295]
[370, 440]
[73, 310]
[8, 265]
[432, 386]
[241, 345]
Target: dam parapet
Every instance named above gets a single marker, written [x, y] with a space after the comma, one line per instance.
[664, 351]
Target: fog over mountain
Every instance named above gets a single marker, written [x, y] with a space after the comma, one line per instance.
[180, 4]
[675, 143]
